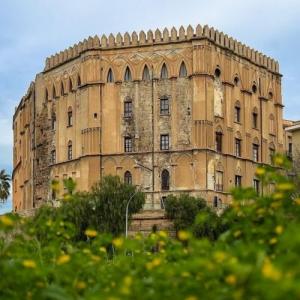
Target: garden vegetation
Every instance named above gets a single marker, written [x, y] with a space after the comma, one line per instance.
[250, 252]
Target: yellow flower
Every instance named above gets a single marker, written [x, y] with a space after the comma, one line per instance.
[102, 249]
[230, 279]
[118, 242]
[6, 221]
[154, 263]
[29, 264]
[67, 197]
[191, 298]
[128, 280]
[276, 204]
[278, 196]
[185, 274]
[278, 160]
[80, 285]
[285, 186]
[95, 258]
[219, 256]
[279, 229]
[90, 233]
[183, 235]
[260, 171]
[273, 241]
[63, 259]
[237, 233]
[269, 271]
[163, 234]
[297, 200]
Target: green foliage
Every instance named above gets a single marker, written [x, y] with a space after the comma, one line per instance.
[256, 257]
[4, 186]
[102, 209]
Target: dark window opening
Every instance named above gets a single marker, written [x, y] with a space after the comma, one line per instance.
[236, 81]
[238, 181]
[238, 147]
[237, 114]
[127, 144]
[254, 88]
[165, 180]
[217, 72]
[128, 108]
[164, 142]
[53, 157]
[127, 76]
[110, 76]
[164, 72]
[146, 74]
[182, 70]
[254, 120]
[70, 151]
[62, 89]
[219, 181]
[219, 136]
[127, 177]
[256, 185]
[164, 106]
[70, 118]
[255, 148]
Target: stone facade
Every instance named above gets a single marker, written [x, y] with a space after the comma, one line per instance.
[197, 110]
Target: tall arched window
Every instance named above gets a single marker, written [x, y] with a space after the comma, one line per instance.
[217, 72]
[78, 81]
[164, 72]
[219, 138]
[62, 89]
[70, 85]
[255, 118]
[146, 74]
[70, 117]
[46, 95]
[53, 122]
[182, 70]
[237, 112]
[110, 76]
[70, 150]
[53, 92]
[128, 108]
[127, 177]
[165, 180]
[127, 75]
[272, 124]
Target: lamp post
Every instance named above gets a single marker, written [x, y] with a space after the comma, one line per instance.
[127, 208]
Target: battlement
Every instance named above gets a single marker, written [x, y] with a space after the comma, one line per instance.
[163, 37]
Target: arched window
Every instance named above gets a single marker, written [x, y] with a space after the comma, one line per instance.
[255, 150]
[78, 81]
[236, 80]
[271, 152]
[272, 124]
[62, 89]
[128, 108]
[182, 70]
[70, 85]
[53, 156]
[146, 74]
[270, 95]
[217, 72]
[46, 95]
[70, 117]
[70, 150]
[164, 72]
[254, 88]
[255, 118]
[127, 75]
[110, 76]
[53, 92]
[165, 180]
[53, 122]
[219, 138]
[237, 112]
[127, 177]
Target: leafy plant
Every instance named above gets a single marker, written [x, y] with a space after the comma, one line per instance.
[4, 186]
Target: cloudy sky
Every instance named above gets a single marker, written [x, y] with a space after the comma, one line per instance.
[31, 30]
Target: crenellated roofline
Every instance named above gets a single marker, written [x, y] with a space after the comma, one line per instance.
[163, 37]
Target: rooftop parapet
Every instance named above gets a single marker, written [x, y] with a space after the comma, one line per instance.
[162, 37]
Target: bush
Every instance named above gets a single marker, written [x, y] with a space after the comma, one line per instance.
[256, 257]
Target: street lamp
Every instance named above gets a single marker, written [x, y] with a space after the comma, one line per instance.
[127, 207]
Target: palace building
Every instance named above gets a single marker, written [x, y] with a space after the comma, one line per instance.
[180, 111]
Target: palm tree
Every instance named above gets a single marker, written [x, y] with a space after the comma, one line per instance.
[4, 186]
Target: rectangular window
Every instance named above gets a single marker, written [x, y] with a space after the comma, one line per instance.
[164, 142]
[272, 153]
[219, 141]
[254, 120]
[255, 152]
[164, 106]
[70, 152]
[256, 185]
[238, 181]
[290, 150]
[219, 181]
[237, 114]
[53, 157]
[238, 147]
[127, 144]
[127, 109]
[70, 119]
[53, 123]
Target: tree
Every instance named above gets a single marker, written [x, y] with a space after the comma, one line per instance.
[4, 186]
